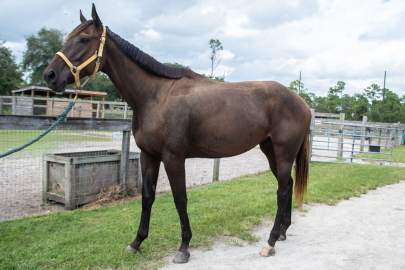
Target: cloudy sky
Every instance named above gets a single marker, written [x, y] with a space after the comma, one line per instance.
[328, 40]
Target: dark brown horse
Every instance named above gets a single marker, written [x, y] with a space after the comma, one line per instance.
[180, 114]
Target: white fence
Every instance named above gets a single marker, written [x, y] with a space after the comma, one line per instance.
[353, 141]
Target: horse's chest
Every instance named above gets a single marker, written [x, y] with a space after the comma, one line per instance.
[148, 140]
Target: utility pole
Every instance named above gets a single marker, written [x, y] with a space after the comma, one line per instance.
[385, 78]
[299, 85]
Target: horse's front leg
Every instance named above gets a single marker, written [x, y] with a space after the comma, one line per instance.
[176, 172]
[150, 171]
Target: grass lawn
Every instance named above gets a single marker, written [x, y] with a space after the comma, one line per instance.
[13, 138]
[96, 239]
[398, 154]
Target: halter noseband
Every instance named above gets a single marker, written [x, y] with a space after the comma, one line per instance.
[75, 70]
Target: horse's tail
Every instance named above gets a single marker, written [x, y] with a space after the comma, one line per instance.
[301, 171]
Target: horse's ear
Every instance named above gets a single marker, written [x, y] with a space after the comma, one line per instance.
[82, 18]
[94, 15]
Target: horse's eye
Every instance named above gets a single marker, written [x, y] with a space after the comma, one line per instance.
[84, 39]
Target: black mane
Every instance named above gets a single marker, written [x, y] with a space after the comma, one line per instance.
[147, 62]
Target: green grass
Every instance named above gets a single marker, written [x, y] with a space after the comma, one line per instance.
[14, 138]
[96, 239]
[398, 154]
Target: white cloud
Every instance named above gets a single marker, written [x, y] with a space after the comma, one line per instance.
[226, 55]
[17, 48]
[328, 40]
[150, 34]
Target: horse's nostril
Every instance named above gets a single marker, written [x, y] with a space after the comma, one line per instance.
[51, 75]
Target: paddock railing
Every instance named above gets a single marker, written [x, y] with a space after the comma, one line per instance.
[21, 174]
[354, 141]
[84, 108]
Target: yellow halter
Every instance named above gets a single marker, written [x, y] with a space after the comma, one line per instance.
[75, 70]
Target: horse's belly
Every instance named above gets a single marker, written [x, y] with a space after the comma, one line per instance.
[226, 143]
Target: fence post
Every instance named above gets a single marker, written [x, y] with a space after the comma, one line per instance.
[397, 137]
[70, 186]
[353, 142]
[13, 104]
[341, 137]
[387, 137]
[363, 133]
[126, 137]
[311, 133]
[98, 109]
[44, 180]
[126, 111]
[215, 173]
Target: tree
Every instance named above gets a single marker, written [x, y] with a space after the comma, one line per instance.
[337, 90]
[216, 47]
[299, 87]
[374, 92]
[360, 107]
[10, 75]
[41, 48]
[101, 82]
[387, 110]
[321, 104]
[334, 98]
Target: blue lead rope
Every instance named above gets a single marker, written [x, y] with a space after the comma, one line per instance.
[61, 118]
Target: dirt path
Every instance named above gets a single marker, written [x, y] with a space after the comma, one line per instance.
[361, 233]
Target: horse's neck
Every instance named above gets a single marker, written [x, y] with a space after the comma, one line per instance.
[135, 85]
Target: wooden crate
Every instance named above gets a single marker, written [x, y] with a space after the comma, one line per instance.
[77, 178]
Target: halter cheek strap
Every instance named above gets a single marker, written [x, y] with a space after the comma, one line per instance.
[75, 70]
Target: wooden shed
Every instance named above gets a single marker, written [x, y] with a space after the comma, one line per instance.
[39, 100]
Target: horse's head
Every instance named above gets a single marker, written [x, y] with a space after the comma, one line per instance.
[80, 56]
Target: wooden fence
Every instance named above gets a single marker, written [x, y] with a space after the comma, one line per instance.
[14, 122]
[42, 106]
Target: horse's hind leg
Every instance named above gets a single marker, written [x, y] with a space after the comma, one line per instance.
[286, 219]
[283, 158]
[267, 148]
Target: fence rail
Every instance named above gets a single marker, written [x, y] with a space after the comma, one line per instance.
[21, 174]
[353, 141]
[43, 106]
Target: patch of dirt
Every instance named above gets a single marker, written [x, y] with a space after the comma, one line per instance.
[366, 232]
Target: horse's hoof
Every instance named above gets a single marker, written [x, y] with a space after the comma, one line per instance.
[282, 237]
[267, 251]
[181, 257]
[132, 250]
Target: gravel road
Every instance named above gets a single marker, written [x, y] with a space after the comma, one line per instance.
[367, 232]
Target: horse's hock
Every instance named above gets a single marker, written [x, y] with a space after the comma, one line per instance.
[78, 178]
